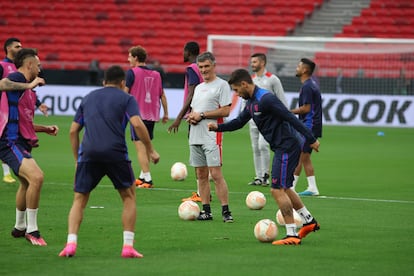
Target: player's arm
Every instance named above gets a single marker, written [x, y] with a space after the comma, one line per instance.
[304, 109]
[129, 80]
[51, 130]
[232, 125]
[195, 117]
[144, 137]
[174, 126]
[74, 131]
[8, 85]
[164, 107]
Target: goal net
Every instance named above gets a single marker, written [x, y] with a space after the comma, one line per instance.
[344, 65]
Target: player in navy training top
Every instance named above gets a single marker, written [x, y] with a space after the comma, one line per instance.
[310, 112]
[104, 114]
[279, 128]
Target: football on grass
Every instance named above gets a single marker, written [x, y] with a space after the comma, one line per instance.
[178, 171]
[255, 200]
[281, 221]
[188, 210]
[265, 230]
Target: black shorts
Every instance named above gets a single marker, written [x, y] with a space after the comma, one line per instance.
[150, 127]
[13, 152]
[89, 174]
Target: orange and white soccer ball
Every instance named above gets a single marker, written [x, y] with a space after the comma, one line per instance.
[255, 200]
[188, 210]
[179, 171]
[281, 221]
[265, 230]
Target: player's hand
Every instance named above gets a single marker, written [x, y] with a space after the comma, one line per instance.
[212, 126]
[315, 146]
[165, 118]
[44, 108]
[154, 156]
[174, 126]
[37, 82]
[52, 130]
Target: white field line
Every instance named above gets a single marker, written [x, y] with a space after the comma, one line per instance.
[313, 197]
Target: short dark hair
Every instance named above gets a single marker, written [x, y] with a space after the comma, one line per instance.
[23, 54]
[9, 42]
[310, 64]
[193, 48]
[114, 75]
[240, 75]
[206, 56]
[260, 56]
[139, 52]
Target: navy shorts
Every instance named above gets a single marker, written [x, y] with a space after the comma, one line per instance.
[89, 174]
[150, 127]
[13, 152]
[283, 167]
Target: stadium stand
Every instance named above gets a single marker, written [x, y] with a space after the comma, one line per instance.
[382, 19]
[69, 34]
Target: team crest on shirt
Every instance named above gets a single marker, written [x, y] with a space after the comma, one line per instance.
[256, 111]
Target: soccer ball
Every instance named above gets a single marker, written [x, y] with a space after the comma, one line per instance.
[255, 200]
[188, 210]
[265, 230]
[178, 171]
[281, 221]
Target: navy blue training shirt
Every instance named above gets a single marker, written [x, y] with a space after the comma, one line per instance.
[310, 94]
[274, 121]
[104, 113]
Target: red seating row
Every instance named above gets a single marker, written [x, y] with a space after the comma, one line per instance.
[78, 31]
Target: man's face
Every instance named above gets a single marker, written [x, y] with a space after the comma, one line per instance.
[34, 67]
[241, 90]
[132, 60]
[207, 70]
[186, 56]
[256, 64]
[13, 49]
[300, 69]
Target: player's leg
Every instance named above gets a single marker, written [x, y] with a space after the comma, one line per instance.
[264, 160]
[129, 214]
[20, 226]
[87, 176]
[214, 161]
[305, 160]
[310, 225]
[254, 139]
[144, 162]
[33, 177]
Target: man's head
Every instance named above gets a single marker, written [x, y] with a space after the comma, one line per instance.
[206, 63]
[137, 54]
[191, 49]
[114, 76]
[28, 63]
[258, 62]
[241, 82]
[11, 46]
[305, 68]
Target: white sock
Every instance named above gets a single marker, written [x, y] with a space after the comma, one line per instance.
[291, 229]
[147, 176]
[20, 220]
[312, 184]
[6, 169]
[31, 220]
[141, 175]
[72, 238]
[129, 238]
[305, 214]
[295, 181]
[198, 188]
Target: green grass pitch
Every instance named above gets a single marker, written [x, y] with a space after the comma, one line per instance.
[365, 213]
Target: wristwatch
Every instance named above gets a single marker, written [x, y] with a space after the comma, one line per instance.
[202, 116]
